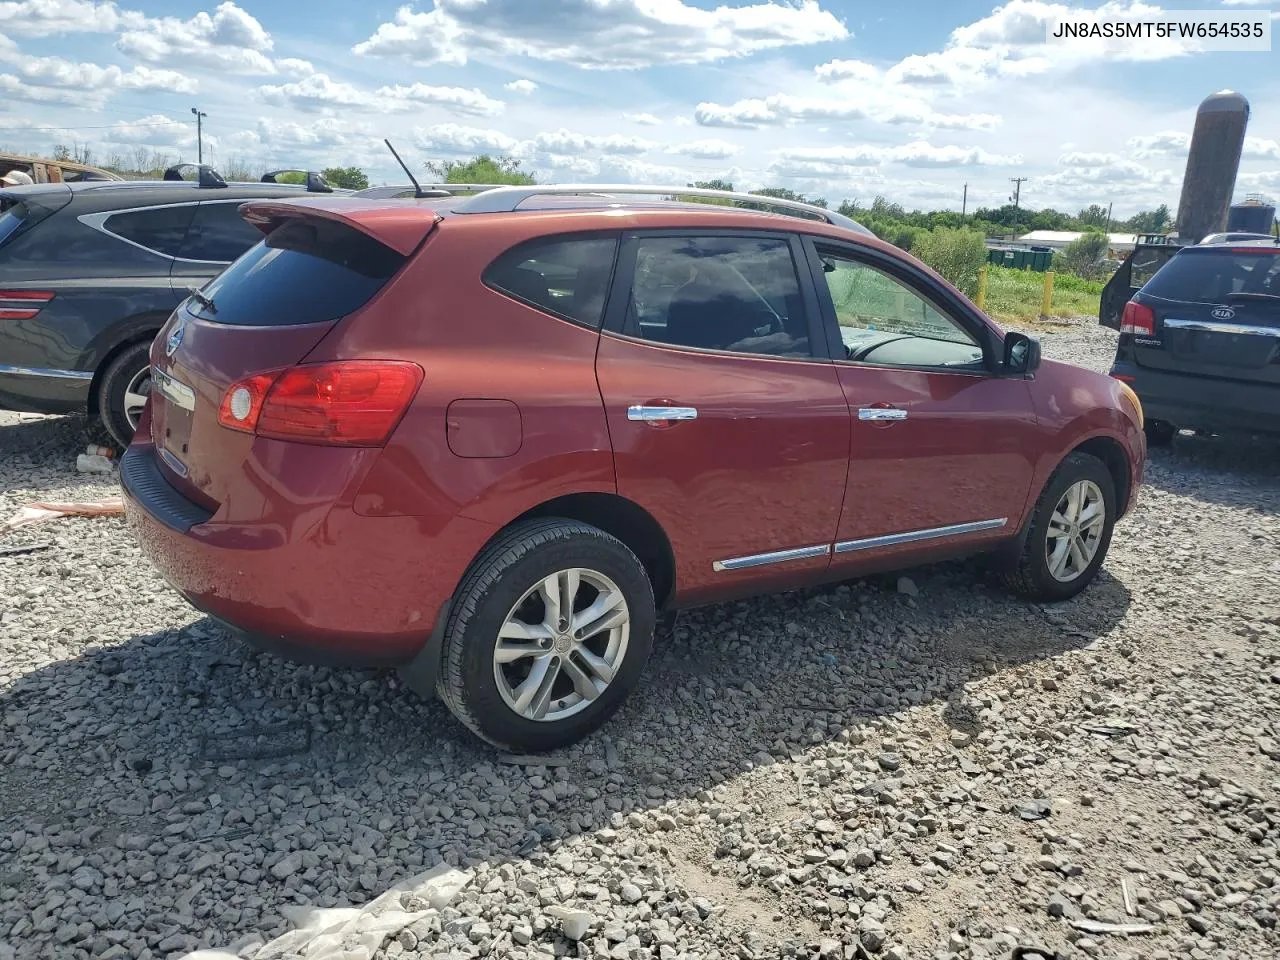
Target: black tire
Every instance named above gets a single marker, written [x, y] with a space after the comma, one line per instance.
[115, 382]
[1030, 576]
[1160, 433]
[503, 573]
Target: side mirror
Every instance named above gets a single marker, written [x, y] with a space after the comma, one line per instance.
[1021, 353]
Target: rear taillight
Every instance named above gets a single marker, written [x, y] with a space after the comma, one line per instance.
[346, 403]
[1138, 318]
[22, 304]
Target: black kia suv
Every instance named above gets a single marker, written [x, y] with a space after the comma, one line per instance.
[90, 271]
[1200, 341]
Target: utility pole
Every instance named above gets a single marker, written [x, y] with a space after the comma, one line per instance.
[200, 115]
[1017, 195]
[964, 203]
[1109, 206]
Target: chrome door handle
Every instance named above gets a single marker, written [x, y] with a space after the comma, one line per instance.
[651, 414]
[881, 413]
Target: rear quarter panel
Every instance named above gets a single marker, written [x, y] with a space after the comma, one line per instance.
[477, 344]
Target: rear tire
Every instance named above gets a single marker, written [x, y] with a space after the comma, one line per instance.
[516, 670]
[1160, 433]
[126, 380]
[1070, 532]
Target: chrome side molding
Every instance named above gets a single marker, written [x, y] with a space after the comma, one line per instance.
[13, 371]
[776, 556]
[881, 413]
[913, 536]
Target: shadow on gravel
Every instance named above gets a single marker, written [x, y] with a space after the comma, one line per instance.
[1230, 471]
[182, 746]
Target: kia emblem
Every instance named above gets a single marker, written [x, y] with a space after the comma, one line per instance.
[175, 339]
[1223, 313]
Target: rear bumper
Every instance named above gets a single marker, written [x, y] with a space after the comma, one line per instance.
[1203, 403]
[40, 390]
[340, 589]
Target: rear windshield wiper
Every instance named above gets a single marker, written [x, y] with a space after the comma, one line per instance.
[1246, 295]
[203, 300]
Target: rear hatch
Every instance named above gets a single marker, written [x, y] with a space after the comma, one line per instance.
[1216, 313]
[265, 313]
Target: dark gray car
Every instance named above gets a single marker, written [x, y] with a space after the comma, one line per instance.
[1200, 342]
[90, 271]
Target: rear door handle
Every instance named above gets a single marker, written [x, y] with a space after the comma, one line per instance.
[881, 413]
[648, 414]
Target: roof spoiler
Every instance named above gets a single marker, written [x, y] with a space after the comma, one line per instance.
[206, 176]
[315, 183]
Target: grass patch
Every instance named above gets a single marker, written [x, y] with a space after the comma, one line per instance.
[1013, 296]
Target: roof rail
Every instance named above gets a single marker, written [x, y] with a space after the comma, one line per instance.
[206, 176]
[497, 198]
[315, 182]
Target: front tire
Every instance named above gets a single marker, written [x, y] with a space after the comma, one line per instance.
[550, 631]
[1070, 532]
[123, 392]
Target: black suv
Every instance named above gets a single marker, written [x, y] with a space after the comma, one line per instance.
[90, 271]
[1200, 342]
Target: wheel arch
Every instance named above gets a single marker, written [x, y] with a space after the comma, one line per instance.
[1113, 455]
[630, 523]
[141, 328]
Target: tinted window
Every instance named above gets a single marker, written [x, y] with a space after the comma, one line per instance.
[1211, 276]
[11, 220]
[306, 271]
[568, 277]
[161, 229]
[718, 293]
[885, 322]
[218, 232]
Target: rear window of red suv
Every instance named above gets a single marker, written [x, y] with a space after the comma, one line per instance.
[1212, 275]
[307, 270]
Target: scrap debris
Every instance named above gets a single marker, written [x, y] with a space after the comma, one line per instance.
[40, 512]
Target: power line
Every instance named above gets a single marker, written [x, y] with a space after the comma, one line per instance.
[105, 126]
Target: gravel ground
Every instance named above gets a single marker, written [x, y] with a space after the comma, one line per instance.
[926, 769]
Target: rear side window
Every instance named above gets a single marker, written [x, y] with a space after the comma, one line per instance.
[306, 271]
[567, 276]
[161, 229]
[11, 220]
[1211, 276]
[218, 233]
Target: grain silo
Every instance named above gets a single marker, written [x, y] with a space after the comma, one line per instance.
[1254, 215]
[1212, 163]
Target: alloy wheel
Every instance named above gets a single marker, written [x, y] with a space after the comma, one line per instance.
[1075, 530]
[135, 396]
[561, 645]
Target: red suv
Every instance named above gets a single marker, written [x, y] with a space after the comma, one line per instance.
[491, 439]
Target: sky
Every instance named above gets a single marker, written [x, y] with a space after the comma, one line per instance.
[834, 98]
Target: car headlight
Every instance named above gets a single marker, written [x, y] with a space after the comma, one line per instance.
[1133, 398]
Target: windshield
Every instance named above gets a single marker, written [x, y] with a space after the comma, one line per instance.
[1214, 276]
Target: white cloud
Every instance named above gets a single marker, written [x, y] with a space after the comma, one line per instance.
[839, 70]
[566, 142]
[1259, 148]
[157, 129]
[705, 149]
[781, 108]
[319, 92]
[228, 40]
[43, 18]
[1078, 159]
[295, 67]
[520, 86]
[918, 153]
[56, 80]
[1166, 143]
[450, 138]
[600, 34]
[644, 119]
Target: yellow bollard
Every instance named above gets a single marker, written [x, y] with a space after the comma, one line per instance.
[1046, 304]
[982, 287]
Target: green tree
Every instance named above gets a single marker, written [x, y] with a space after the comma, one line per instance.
[481, 169]
[296, 177]
[1083, 255]
[1150, 221]
[349, 178]
[782, 193]
[956, 254]
[1094, 215]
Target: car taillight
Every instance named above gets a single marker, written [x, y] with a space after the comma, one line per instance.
[22, 304]
[347, 403]
[1138, 318]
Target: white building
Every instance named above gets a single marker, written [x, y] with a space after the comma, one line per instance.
[1057, 239]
